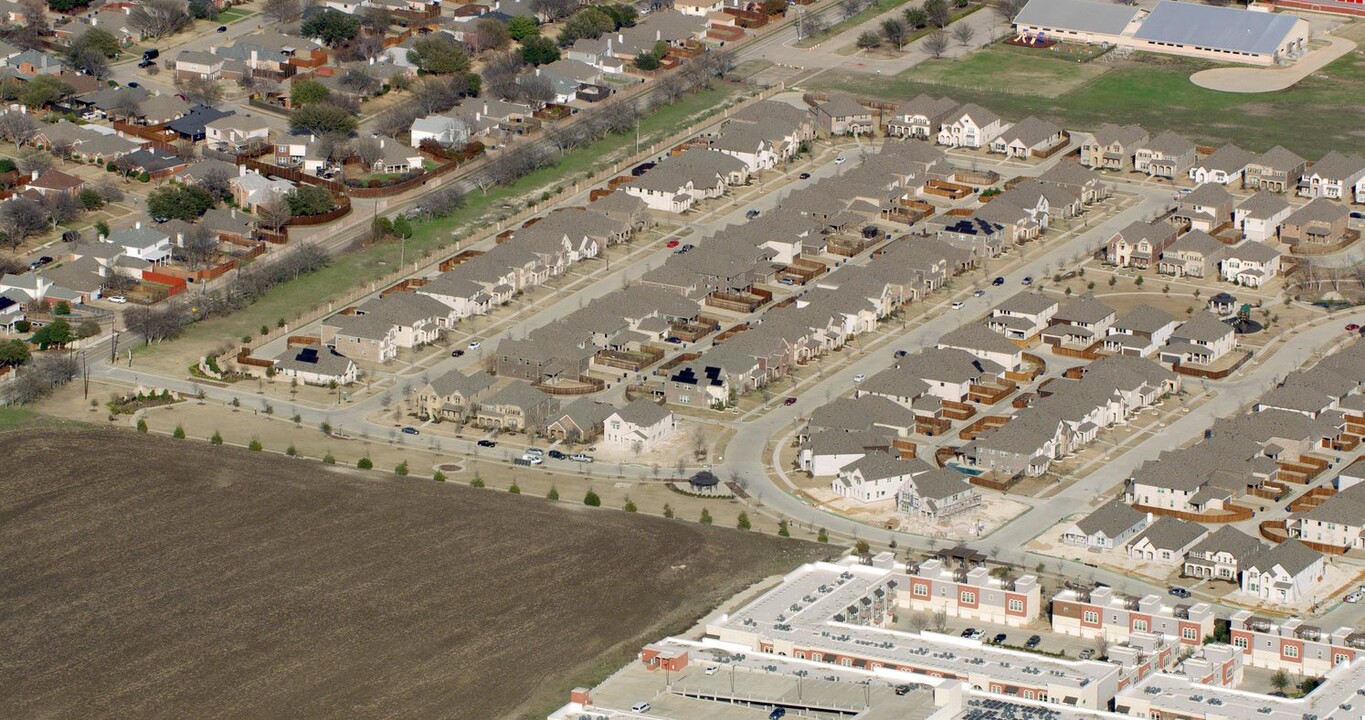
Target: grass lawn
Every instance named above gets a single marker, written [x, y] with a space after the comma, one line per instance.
[234, 15]
[351, 269]
[13, 417]
[873, 10]
[1150, 90]
[1005, 68]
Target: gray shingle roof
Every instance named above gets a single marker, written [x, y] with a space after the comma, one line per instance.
[1111, 519]
[1081, 15]
[1169, 533]
[643, 413]
[1292, 555]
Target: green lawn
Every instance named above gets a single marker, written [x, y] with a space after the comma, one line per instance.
[1005, 68]
[234, 15]
[1319, 114]
[311, 292]
[13, 417]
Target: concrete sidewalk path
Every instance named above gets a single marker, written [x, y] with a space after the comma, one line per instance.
[1261, 80]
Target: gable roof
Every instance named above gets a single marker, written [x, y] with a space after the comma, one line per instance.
[1168, 533]
[1263, 205]
[643, 413]
[1111, 519]
[1291, 555]
[1079, 15]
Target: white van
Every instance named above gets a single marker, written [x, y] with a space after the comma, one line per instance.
[640, 707]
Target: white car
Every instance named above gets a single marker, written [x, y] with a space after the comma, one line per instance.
[580, 457]
[957, 305]
[1353, 597]
[978, 293]
[474, 345]
[117, 299]
[839, 160]
[535, 451]
[712, 669]
[859, 378]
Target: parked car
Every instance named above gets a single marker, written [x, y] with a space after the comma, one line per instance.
[672, 243]
[968, 632]
[789, 401]
[778, 713]
[133, 85]
[117, 299]
[473, 344]
[1028, 280]
[689, 246]
[557, 455]
[998, 281]
[639, 707]
[535, 451]
[1353, 597]
[457, 353]
[146, 63]
[859, 378]
[903, 689]
[1352, 327]
[1179, 592]
[673, 339]
[44, 260]
[957, 305]
[804, 176]
[976, 635]
[532, 459]
[1087, 654]
[839, 160]
[712, 669]
[487, 443]
[151, 54]
[751, 214]
[222, 28]
[1358, 215]
[580, 457]
[978, 293]
[411, 431]
[1033, 641]
[786, 281]
[902, 353]
[999, 639]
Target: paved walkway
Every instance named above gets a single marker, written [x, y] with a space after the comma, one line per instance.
[1261, 80]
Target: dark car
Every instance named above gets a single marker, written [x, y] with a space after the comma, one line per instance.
[1028, 280]
[999, 639]
[998, 281]
[871, 231]
[789, 401]
[804, 176]
[777, 713]
[44, 260]
[222, 28]
[1358, 215]
[688, 246]
[751, 214]
[557, 455]
[902, 689]
[487, 443]
[457, 353]
[133, 85]
[969, 632]
[902, 353]
[146, 63]
[674, 340]
[151, 54]
[411, 431]
[1033, 641]
[1179, 592]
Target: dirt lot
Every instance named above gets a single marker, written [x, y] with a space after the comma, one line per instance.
[178, 579]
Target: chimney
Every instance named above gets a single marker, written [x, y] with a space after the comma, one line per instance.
[137, 225]
[33, 175]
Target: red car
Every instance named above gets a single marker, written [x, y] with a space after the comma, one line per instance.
[672, 243]
[789, 401]
[1352, 327]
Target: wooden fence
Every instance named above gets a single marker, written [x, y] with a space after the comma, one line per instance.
[1233, 513]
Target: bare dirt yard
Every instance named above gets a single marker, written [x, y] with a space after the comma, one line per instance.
[149, 577]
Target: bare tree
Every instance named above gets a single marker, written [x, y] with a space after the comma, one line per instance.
[61, 208]
[34, 161]
[108, 189]
[273, 214]
[201, 90]
[360, 82]
[963, 33]
[669, 88]
[159, 18]
[218, 182]
[939, 620]
[199, 247]
[1006, 10]
[282, 11]
[368, 151]
[1101, 646]
[919, 620]
[17, 128]
[127, 103]
[936, 42]
[536, 91]
[20, 219]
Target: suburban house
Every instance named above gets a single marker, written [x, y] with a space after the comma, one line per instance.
[445, 130]
[1167, 155]
[984, 344]
[638, 426]
[1166, 541]
[199, 65]
[970, 126]
[1225, 166]
[453, 396]
[1087, 313]
[1285, 574]
[842, 114]
[1140, 244]
[1140, 332]
[1023, 315]
[1107, 528]
[1028, 137]
[55, 182]
[143, 243]
[825, 451]
[579, 421]
[237, 130]
[1259, 216]
[251, 189]
[876, 477]
[936, 494]
[1222, 555]
[517, 406]
[676, 183]
[1277, 171]
[1338, 523]
[1336, 176]
[1113, 147]
[315, 364]
[1194, 254]
[1201, 340]
[1207, 207]
[921, 117]
[1081, 181]
[1320, 223]
[1250, 263]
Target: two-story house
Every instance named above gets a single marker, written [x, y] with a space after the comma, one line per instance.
[1140, 244]
[970, 126]
[1112, 147]
[1277, 170]
[1167, 155]
[638, 426]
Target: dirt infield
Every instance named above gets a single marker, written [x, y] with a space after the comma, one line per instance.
[145, 577]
